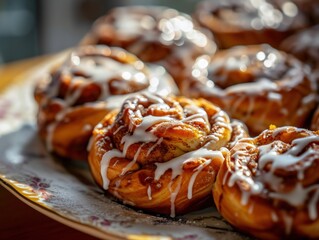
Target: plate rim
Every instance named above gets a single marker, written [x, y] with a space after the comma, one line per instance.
[82, 227]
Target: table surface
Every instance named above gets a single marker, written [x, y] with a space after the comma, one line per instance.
[17, 220]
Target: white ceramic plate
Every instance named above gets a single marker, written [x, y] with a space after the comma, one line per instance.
[66, 192]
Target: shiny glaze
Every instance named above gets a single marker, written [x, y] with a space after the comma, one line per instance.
[246, 75]
[251, 14]
[142, 129]
[98, 77]
[260, 167]
[154, 34]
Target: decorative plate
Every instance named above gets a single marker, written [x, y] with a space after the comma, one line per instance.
[66, 192]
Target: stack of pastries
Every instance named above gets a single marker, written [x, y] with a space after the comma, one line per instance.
[175, 113]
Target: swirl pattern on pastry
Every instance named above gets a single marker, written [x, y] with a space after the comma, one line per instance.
[268, 186]
[241, 22]
[154, 34]
[72, 97]
[255, 84]
[160, 154]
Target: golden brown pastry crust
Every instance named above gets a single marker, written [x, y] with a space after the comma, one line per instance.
[76, 95]
[315, 120]
[154, 34]
[160, 155]
[268, 186]
[241, 22]
[255, 84]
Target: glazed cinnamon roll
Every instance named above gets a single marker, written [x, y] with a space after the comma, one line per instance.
[160, 154]
[268, 186]
[255, 84]
[154, 34]
[305, 46]
[76, 95]
[241, 22]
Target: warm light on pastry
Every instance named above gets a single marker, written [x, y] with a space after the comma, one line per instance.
[256, 84]
[315, 120]
[154, 34]
[76, 95]
[268, 186]
[246, 22]
[305, 46]
[161, 154]
[161, 104]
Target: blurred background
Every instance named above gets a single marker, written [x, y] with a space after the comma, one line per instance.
[37, 27]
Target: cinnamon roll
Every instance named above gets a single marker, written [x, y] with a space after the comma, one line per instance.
[76, 95]
[305, 46]
[268, 186]
[241, 22]
[154, 34]
[160, 154]
[255, 84]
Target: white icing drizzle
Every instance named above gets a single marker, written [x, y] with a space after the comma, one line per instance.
[270, 153]
[312, 206]
[239, 131]
[253, 87]
[296, 197]
[140, 133]
[71, 98]
[100, 70]
[198, 113]
[52, 126]
[225, 177]
[251, 209]
[291, 157]
[158, 142]
[221, 120]
[107, 157]
[128, 166]
[194, 176]
[177, 31]
[117, 130]
[174, 194]
[154, 98]
[176, 165]
[274, 217]
[143, 134]
[273, 72]
[149, 192]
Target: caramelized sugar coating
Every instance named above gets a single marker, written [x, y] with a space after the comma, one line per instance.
[154, 34]
[161, 154]
[268, 186]
[247, 22]
[76, 95]
[255, 84]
